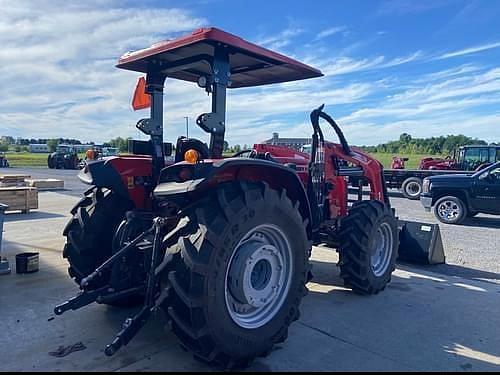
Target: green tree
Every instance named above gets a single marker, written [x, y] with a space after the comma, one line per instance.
[120, 143]
[52, 144]
[433, 145]
[405, 138]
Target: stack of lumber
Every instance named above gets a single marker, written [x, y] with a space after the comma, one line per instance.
[21, 199]
[12, 180]
[45, 183]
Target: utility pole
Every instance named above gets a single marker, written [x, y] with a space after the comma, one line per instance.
[187, 126]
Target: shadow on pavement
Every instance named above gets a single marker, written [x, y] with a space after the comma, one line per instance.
[421, 321]
[33, 215]
[482, 222]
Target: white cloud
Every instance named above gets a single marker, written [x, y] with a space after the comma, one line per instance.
[58, 63]
[329, 32]
[469, 50]
[449, 104]
[344, 65]
[372, 133]
[280, 40]
[58, 70]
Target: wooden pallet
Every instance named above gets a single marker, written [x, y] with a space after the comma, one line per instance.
[21, 199]
[45, 183]
[12, 180]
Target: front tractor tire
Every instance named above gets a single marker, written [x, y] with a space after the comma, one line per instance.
[239, 273]
[51, 162]
[368, 247]
[90, 233]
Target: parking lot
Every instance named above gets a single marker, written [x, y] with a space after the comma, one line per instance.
[442, 318]
[471, 249]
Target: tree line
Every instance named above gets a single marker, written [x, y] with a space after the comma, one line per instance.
[434, 145]
[406, 144]
[27, 141]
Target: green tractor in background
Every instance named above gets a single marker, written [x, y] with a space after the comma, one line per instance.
[65, 157]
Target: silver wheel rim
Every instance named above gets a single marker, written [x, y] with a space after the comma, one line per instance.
[258, 276]
[449, 210]
[413, 189]
[382, 250]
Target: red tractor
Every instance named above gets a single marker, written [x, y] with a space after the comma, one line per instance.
[465, 158]
[222, 246]
[398, 162]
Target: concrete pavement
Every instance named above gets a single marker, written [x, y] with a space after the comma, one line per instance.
[423, 321]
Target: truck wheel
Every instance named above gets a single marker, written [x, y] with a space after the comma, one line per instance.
[368, 249]
[239, 275]
[50, 162]
[412, 188]
[450, 210]
[89, 235]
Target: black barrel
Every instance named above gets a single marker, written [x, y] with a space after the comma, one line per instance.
[27, 262]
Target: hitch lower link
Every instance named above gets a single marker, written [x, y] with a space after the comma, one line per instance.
[107, 294]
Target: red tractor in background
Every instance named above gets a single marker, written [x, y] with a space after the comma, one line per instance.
[398, 162]
[465, 158]
[222, 246]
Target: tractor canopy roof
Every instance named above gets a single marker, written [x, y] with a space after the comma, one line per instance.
[186, 58]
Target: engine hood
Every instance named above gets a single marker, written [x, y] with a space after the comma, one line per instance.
[452, 179]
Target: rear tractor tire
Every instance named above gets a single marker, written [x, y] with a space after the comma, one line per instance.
[239, 273]
[90, 234]
[368, 249]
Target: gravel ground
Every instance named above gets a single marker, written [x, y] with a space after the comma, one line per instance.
[472, 250]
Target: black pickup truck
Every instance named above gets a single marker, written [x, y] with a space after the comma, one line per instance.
[455, 197]
[466, 159]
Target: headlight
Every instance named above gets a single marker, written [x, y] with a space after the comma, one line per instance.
[426, 186]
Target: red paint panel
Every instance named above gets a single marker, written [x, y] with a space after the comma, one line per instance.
[132, 167]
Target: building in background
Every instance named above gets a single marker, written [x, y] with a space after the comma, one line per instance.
[42, 147]
[8, 140]
[38, 147]
[83, 148]
[295, 143]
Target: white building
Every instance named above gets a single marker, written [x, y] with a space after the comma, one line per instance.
[37, 147]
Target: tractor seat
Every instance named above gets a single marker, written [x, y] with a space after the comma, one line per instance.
[184, 144]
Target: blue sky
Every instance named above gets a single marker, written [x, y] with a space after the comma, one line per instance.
[427, 68]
